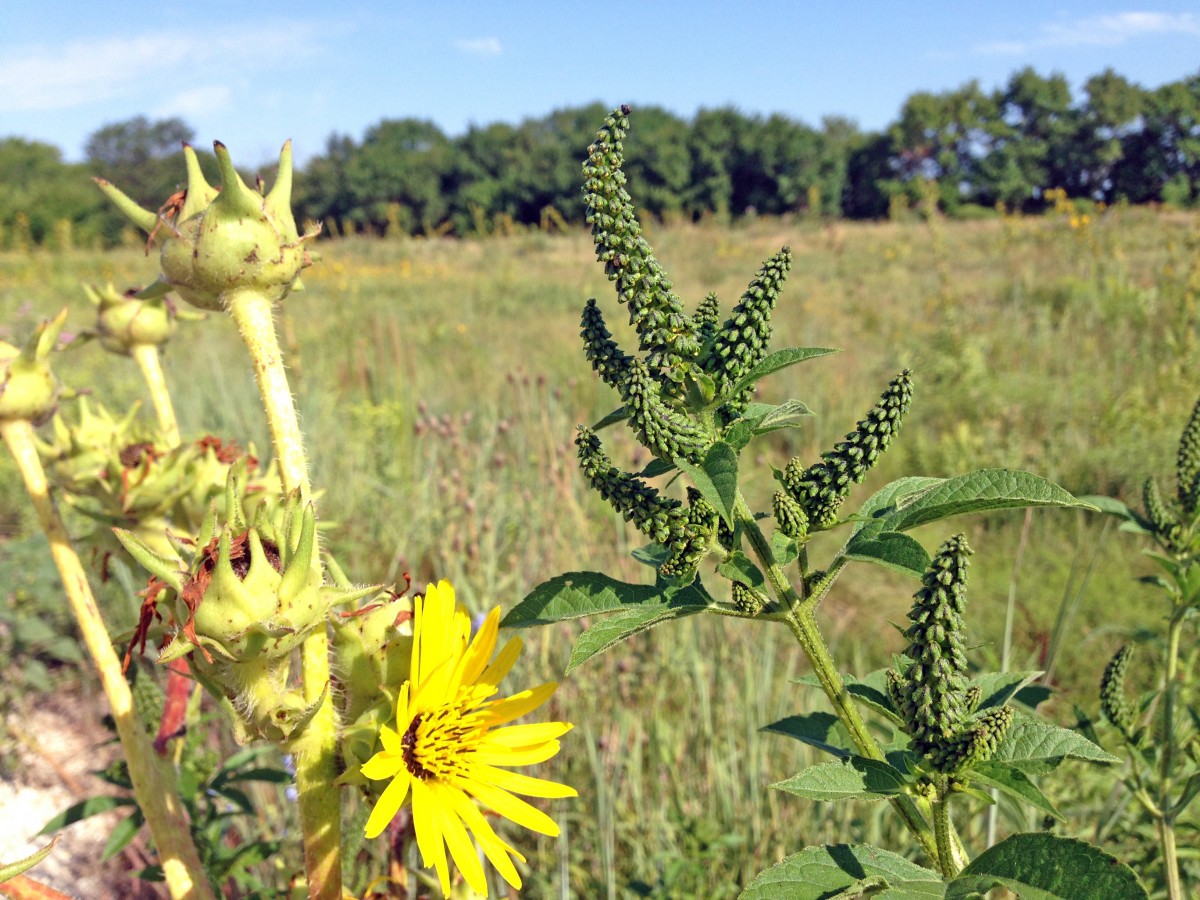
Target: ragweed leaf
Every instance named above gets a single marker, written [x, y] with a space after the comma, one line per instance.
[817, 729]
[765, 417]
[1042, 866]
[817, 873]
[620, 626]
[891, 550]
[1034, 746]
[780, 359]
[716, 478]
[1015, 783]
[857, 777]
[577, 594]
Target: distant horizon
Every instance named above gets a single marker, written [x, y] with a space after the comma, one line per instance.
[303, 72]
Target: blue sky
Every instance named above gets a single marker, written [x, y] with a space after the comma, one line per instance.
[253, 74]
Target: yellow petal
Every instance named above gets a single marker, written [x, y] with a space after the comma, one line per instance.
[505, 804]
[515, 756]
[496, 849]
[429, 835]
[523, 784]
[389, 804]
[383, 765]
[519, 704]
[524, 735]
[504, 660]
[390, 739]
[462, 851]
[480, 651]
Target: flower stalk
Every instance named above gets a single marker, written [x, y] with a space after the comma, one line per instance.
[147, 358]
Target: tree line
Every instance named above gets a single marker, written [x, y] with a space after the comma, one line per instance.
[972, 149]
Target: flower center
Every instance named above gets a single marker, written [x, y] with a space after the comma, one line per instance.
[435, 743]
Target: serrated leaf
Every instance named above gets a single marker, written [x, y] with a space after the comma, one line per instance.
[788, 414]
[817, 729]
[1016, 784]
[122, 834]
[854, 778]
[573, 595]
[1034, 746]
[773, 362]
[1041, 866]
[738, 434]
[817, 873]
[11, 870]
[871, 514]
[623, 625]
[997, 688]
[784, 549]
[716, 478]
[976, 492]
[85, 809]
[891, 550]
[738, 567]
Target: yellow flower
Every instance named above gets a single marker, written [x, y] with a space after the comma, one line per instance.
[447, 744]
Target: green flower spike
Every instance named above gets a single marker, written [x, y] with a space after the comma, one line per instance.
[708, 314]
[663, 430]
[821, 488]
[742, 342]
[667, 335]
[1163, 521]
[610, 362]
[1113, 703]
[651, 514]
[28, 388]
[246, 596]
[222, 241]
[789, 516]
[977, 742]
[690, 537]
[1187, 464]
[747, 600]
[124, 321]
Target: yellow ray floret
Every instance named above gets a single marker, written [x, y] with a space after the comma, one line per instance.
[450, 739]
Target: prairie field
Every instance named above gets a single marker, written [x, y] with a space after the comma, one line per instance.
[439, 383]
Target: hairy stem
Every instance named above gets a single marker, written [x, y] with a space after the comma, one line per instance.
[1166, 825]
[153, 788]
[146, 356]
[942, 829]
[799, 618]
[315, 748]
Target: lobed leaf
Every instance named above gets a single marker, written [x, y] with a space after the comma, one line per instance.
[1042, 866]
[818, 873]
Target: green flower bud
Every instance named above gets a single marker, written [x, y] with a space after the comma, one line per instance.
[1164, 522]
[666, 432]
[975, 744]
[218, 243]
[609, 361]
[747, 600]
[1113, 703]
[705, 320]
[635, 500]
[28, 388]
[1187, 464]
[666, 333]
[789, 516]
[124, 321]
[821, 488]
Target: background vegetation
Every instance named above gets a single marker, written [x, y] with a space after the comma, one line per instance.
[439, 383]
[979, 149]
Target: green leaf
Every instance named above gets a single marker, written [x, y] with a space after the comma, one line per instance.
[891, 550]
[716, 478]
[1034, 746]
[85, 809]
[784, 549]
[857, 777]
[976, 492]
[870, 691]
[738, 567]
[1041, 866]
[773, 362]
[656, 467]
[884, 500]
[620, 414]
[11, 870]
[124, 832]
[1110, 506]
[819, 873]
[817, 729]
[766, 417]
[623, 625]
[1014, 783]
[738, 434]
[573, 595]
[997, 688]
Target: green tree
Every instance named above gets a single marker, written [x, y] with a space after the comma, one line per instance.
[1162, 160]
[36, 185]
[401, 161]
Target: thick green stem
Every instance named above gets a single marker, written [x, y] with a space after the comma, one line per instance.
[156, 796]
[146, 356]
[1166, 825]
[799, 618]
[942, 829]
[316, 748]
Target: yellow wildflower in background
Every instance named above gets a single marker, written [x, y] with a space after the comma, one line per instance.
[448, 744]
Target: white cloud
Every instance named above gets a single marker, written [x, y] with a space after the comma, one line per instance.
[196, 102]
[1109, 30]
[485, 46]
[83, 72]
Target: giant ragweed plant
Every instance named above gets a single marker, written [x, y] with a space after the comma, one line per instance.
[687, 394]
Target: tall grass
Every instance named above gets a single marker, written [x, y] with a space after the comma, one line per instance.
[439, 383]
